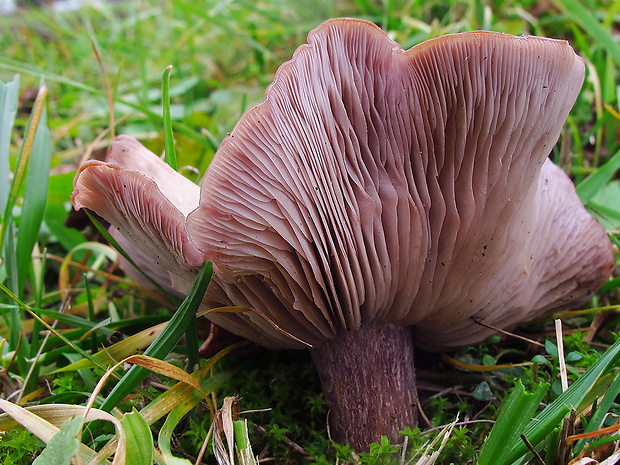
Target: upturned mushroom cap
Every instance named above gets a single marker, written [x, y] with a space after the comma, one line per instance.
[374, 190]
[411, 187]
[373, 183]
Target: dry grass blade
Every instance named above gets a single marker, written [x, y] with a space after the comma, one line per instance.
[150, 363]
[584, 461]
[178, 394]
[166, 369]
[55, 414]
[120, 350]
[482, 368]
[562, 361]
[607, 430]
[225, 415]
[227, 424]
[432, 452]
[45, 422]
[587, 311]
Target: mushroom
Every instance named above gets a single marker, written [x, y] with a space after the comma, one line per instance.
[378, 198]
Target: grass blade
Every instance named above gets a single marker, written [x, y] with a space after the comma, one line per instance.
[587, 21]
[17, 264]
[17, 67]
[549, 418]
[242, 441]
[191, 335]
[122, 349]
[171, 156]
[516, 413]
[9, 97]
[34, 198]
[603, 409]
[166, 341]
[165, 435]
[26, 308]
[22, 161]
[588, 188]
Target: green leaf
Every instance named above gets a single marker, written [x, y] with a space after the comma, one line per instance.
[22, 161]
[573, 356]
[9, 97]
[610, 285]
[483, 391]
[551, 349]
[18, 256]
[63, 446]
[513, 418]
[605, 205]
[553, 442]
[139, 439]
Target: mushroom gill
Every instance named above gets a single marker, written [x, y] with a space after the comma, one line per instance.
[377, 198]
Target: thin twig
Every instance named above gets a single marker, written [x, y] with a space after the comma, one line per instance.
[537, 457]
[421, 410]
[296, 447]
[507, 333]
[460, 423]
[403, 454]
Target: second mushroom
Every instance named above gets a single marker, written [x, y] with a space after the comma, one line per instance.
[378, 198]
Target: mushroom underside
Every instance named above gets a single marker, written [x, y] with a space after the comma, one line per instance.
[377, 198]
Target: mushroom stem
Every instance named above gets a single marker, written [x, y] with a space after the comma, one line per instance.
[368, 380]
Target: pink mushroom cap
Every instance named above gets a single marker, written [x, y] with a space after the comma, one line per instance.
[374, 188]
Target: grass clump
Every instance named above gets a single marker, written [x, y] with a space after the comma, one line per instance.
[63, 298]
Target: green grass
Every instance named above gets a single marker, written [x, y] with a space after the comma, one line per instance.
[223, 56]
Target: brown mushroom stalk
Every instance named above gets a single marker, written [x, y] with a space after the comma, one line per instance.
[368, 379]
[378, 198]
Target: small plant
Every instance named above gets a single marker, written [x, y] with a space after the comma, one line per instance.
[19, 447]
